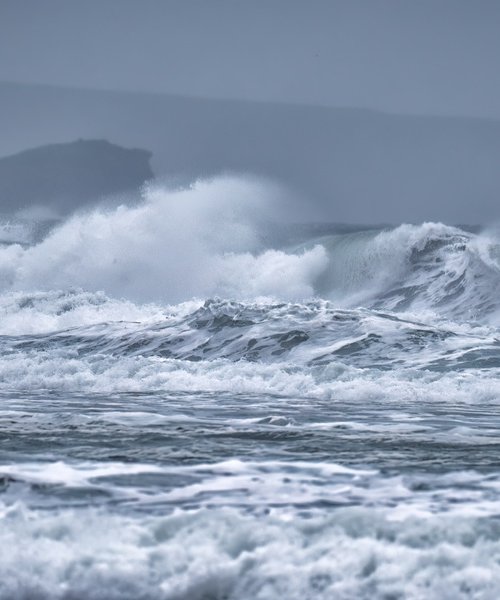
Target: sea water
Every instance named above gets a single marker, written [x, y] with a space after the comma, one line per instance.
[192, 409]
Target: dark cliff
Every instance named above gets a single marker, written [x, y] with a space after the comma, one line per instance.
[63, 176]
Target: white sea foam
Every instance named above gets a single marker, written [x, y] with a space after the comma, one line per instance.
[59, 370]
[223, 554]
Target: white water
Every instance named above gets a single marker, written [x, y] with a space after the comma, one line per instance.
[171, 247]
[192, 411]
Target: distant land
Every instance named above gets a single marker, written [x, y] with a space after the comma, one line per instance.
[66, 175]
[348, 165]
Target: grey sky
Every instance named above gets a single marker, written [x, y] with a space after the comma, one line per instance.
[421, 56]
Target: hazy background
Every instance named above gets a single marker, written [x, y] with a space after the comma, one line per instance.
[421, 56]
[273, 86]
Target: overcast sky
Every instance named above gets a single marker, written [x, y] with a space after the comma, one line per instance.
[420, 56]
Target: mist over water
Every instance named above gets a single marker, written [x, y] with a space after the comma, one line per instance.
[201, 399]
[171, 246]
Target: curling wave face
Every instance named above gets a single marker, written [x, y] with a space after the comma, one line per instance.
[198, 404]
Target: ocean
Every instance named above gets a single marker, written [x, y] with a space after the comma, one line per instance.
[201, 403]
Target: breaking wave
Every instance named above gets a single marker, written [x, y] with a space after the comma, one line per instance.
[207, 242]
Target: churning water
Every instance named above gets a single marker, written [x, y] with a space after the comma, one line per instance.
[192, 410]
